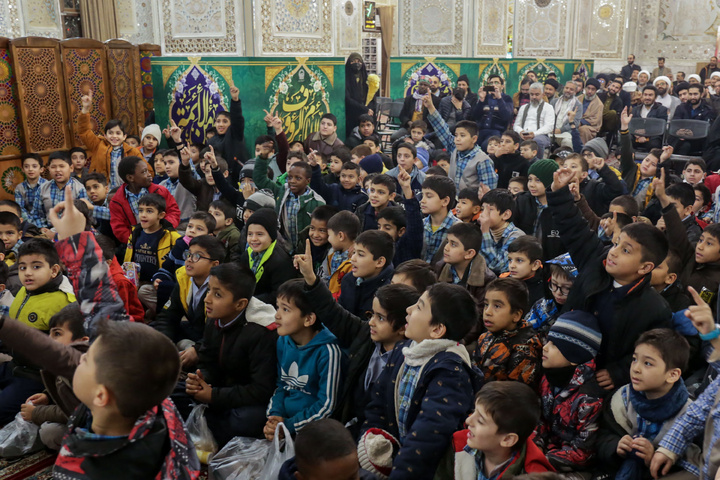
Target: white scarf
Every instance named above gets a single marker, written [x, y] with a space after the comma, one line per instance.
[418, 354]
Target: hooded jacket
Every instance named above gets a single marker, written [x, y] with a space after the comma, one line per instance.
[122, 218]
[309, 378]
[441, 400]
[127, 292]
[239, 359]
[570, 414]
[231, 145]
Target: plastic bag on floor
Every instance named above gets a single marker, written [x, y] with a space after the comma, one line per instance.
[241, 459]
[200, 433]
[19, 438]
[279, 452]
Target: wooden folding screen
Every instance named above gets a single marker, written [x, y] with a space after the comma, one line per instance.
[126, 100]
[85, 68]
[41, 94]
[10, 140]
[147, 51]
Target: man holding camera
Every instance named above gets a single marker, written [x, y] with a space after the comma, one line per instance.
[493, 111]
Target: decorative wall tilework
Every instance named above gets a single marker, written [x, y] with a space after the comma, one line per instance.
[10, 143]
[178, 38]
[10, 24]
[123, 66]
[600, 28]
[294, 27]
[349, 26]
[542, 28]
[136, 21]
[146, 80]
[193, 18]
[42, 18]
[491, 29]
[432, 27]
[687, 33]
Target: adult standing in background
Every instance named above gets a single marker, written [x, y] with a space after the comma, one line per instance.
[356, 90]
[627, 70]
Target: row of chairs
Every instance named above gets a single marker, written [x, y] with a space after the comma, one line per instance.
[678, 128]
[387, 119]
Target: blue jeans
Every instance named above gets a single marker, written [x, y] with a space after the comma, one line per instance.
[14, 391]
[236, 422]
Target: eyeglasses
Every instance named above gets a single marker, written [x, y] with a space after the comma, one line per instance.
[193, 257]
[554, 287]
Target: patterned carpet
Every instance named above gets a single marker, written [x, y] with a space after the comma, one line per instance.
[37, 466]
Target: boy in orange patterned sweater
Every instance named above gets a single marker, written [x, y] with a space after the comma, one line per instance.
[510, 348]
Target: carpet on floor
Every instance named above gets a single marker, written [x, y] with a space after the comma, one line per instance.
[37, 466]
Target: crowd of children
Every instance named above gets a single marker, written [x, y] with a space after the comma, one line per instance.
[465, 313]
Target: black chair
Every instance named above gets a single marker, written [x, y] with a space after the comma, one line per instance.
[647, 127]
[689, 129]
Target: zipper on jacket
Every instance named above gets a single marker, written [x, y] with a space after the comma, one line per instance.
[25, 300]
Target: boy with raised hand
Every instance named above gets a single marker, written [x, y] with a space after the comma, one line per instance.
[237, 362]
[342, 230]
[438, 195]
[498, 231]
[406, 156]
[701, 415]
[225, 229]
[510, 349]
[295, 200]
[206, 189]
[229, 142]
[25, 192]
[614, 286]
[124, 204]
[404, 226]
[369, 341]
[381, 194]
[598, 193]
[105, 151]
[683, 196]
[497, 442]
[426, 390]
[346, 195]
[325, 140]
[186, 201]
[642, 412]
[571, 398]
[126, 422]
[701, 263]
[469, 165]
[53, 192]
[545, 311]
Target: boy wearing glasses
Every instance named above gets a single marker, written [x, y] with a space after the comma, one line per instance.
[188, 298]
[545, 311]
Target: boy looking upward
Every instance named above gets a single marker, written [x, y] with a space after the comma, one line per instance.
[406, 156]
[497, 230]
[405, 226]
[438, 193]
[25, 192]
[469, 165]
[468, 207]
[381, 194]
[525, 264]
[186, 201]
[342, 230]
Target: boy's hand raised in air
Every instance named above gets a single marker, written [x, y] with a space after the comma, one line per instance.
[562, 178]
[72, 221]
[304, 264]
[405, 181]
[175, 132]
[185, 156]
[313, 158]
[198, 388]
[625, 117]
[428, 103]
[210, 158]
[658, 185]
[234, 93]
[86, 102]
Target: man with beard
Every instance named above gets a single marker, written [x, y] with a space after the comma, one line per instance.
[536, 120]
[627, 70]
[612, 106]
[413, 108]
[643, 79]
[709, 69]
[694, 109]
[648, 109]
[551, 88]
[493, 111]
[454, 108]
[463, 84]
[662, 84]
[522, 97]
[356, 90]
[562, 106]
[661, 70]
[436, 87]
[682, 90]
[592, 111]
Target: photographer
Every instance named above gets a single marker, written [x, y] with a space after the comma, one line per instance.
[493, 111]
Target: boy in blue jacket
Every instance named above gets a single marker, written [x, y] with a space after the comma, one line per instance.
[346, 195]
[310, 363]
[426, 390]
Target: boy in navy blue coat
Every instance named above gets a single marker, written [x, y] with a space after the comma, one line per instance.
[346, 195]
[404, 226]
[371, 269]
[427, 388]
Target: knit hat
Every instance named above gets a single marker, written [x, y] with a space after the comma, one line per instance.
[544, 169]
[577, 335]
[553, 83]
[266, 218]
[375, 452]
[152, 129]
[695, 76]
[598, 146]
[372, 163]
[565, 262]
[247, 171]
[662, 78]
[629, 87]
[594, 82]
[260, 199]
[464, 78]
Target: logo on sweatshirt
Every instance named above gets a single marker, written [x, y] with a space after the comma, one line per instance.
[292, 378]
[32, 318]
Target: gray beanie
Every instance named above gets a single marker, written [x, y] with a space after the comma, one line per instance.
[260, 199]
[598, 146]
